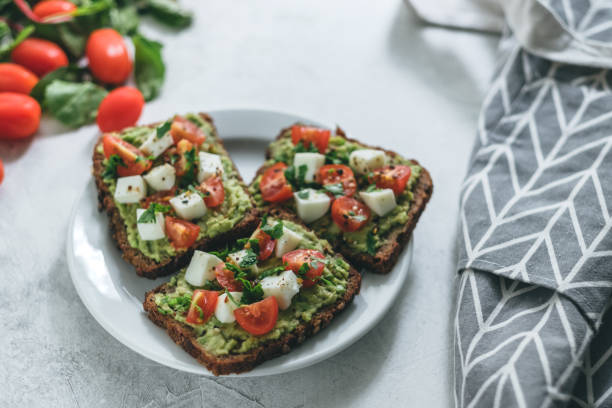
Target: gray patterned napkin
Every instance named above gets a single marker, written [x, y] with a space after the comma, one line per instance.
[532, 327]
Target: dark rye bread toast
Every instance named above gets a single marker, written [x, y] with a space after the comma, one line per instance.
[184, 335]
[144, 265]
[386, 256]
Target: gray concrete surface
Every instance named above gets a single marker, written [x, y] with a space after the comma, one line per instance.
[369, 66]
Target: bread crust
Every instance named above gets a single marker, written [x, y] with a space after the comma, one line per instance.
[386, 256]
[184, 335]
[145, 266]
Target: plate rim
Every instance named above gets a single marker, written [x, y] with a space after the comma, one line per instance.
[202, 370]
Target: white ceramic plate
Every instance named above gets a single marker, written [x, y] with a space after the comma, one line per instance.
[113, 293]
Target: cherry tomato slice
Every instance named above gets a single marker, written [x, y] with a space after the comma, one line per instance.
[295, 259]
[15, 78]
[119, 109]
[108, 56]
[181, 233]
[182, 128]
[203, 303]
[214, 193]
[19, 116]
[393, 177]
[52, 8]
[308, 135]
[338, 174]
[258, 318]
[134, 159]
[39, 56]
[265, 242]
[274, 186]
[349, 214]
[1, 172]
[225, 277]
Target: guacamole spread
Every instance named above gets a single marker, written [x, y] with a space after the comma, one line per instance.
[370, 237]
[216, 221]
[230, 338]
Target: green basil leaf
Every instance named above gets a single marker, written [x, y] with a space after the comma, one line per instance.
[124, 19]
[73, 104]
[70, 73]
[149, 68]
[7, 43]
[169, 12]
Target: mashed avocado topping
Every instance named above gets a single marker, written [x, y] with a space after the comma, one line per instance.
[229, 338]
[372, 235]
[216, 220]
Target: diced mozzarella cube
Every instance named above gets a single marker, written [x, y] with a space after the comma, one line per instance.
[287, 242]
[311, 204]
[237, 259]
[188, 205]
[130, 189]
[210, 164]
[366, 160]
[150, 231]
[161, 177]
[379, 201]
[283, 287]
[201, 268]
[155, 146]
[224, 311]
[312, 161]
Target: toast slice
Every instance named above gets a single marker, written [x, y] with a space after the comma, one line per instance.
[226, 348]
[152, 259]
[380, 254]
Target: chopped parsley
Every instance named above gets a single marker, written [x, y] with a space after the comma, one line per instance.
[179, 304]
[274, 231]
[336, 189]
[271, 272]
[336, 157]
[110, 172]
[148, 217]
[371, 187]
[300, 148]
[295, 177]
[251, 293]
[304, 269]
[191, 169]
[304, 194]
[163, 129]
[250, 258]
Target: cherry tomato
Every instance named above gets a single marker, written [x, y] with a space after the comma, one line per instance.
[273, 185]
[19, 115]
[182, 234]
[338, 173]
[295, 259]
[39, 56]
[258, 318]
[182, 128]
[225, 277]
[265, 242]
[393, 177]
[134, 159]
[308, 134]
[160, 197]
[203, 303]
[50, 8]
[349, 214]
[15, 78]
[108, 56]
[1, 171]
[119, 109]
[213, 190]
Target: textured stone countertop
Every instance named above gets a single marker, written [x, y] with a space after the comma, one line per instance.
[371, 67]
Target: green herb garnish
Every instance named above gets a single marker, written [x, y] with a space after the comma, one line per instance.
[304, 194]
[336, 189]
[163, 129]
[110, 171]
[274, 231]
[250, 258]
[148, 217]
[370, 243]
